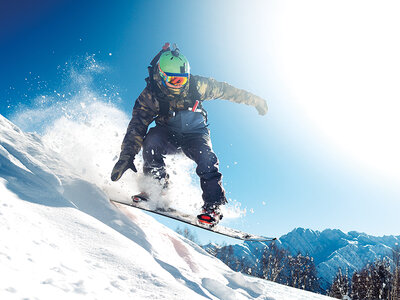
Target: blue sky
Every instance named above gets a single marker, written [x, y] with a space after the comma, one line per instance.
[325, 156]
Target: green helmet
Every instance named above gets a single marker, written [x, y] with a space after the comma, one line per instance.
[174, 62]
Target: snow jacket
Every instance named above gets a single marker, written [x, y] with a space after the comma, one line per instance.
[176, 111]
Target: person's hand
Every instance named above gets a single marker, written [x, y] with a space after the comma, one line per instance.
[261, 106]
[124, 163]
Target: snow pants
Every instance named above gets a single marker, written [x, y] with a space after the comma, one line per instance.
[160, 141]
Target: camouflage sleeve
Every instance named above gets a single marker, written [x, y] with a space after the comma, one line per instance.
[209, 88]
[144, 112]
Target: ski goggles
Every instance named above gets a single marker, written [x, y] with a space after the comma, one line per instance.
[174, 80]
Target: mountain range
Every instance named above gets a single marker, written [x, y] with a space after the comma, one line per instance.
[331, 249]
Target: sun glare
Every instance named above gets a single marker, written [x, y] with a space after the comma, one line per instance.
[341, 62]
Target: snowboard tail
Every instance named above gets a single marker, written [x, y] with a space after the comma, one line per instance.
[192, 220]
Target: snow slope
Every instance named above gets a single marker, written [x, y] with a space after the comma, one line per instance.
[62, 239]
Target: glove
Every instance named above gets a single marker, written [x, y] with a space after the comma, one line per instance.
[124, 163]
[261, 106]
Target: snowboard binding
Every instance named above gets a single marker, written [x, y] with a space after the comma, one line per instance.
[140, 197]
[210, 216]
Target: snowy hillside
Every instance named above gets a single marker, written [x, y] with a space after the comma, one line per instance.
[62, 239]
[331, 249]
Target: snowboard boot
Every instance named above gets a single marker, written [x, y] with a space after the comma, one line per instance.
[210, 215]
[143, 196]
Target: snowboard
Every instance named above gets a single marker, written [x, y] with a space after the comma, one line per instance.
[192, 220]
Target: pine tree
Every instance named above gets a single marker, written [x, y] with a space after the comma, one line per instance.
[360, 283]
[395, 291]
[303, 274]
[276, 265]
[340, 286]
[381, 279]
[373, 282]
[226, 255]
[273, 262]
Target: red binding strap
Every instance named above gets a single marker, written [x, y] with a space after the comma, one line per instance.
[195, 106]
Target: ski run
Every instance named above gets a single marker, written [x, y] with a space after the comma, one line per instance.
[62, 239]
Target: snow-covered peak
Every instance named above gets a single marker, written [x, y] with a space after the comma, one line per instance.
[61, 238]
[331, 249]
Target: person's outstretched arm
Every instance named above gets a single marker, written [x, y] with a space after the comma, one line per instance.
[210, 88]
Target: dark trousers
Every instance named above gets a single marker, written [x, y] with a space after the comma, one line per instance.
[160, 141]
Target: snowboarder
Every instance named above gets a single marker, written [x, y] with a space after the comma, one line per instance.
[173, 99]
